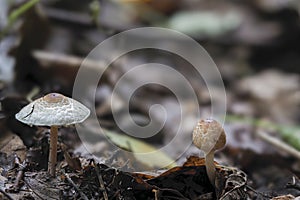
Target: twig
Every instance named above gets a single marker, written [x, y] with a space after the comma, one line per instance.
[258, 193]
[19, 177]
[5, 194]
[288, 132]
[49, 59]
[76, 188]
[278, 143]
[101, 182]
[34, 191]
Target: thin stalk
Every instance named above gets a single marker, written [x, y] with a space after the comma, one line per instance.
[53, 150]
[210, 167]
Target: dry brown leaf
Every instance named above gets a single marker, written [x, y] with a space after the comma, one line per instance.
[10, 144]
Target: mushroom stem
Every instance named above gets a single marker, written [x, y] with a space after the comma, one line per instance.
[53, 150]
[210, 167]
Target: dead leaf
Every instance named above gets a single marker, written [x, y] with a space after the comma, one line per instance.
[74, 163]
[11, 144]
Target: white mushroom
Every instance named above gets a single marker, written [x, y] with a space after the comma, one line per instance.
[53, 110]
[209, 136]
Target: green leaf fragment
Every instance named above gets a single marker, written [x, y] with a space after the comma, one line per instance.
[143, 152]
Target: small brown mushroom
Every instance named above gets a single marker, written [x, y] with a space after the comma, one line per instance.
[53, 110]
[209, 136]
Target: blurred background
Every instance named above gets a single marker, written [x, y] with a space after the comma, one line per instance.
[254, 43]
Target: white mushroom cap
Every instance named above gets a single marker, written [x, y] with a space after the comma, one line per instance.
[53, 109]
[209, 135]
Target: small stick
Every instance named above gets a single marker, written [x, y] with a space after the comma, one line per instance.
[278, 143]
[50, 59]
[76, 188]
[102, 186]
[6, 195]
[19, 177]
[34, 191]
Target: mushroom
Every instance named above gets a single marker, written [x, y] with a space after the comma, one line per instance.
[209, 136]
[53, 110]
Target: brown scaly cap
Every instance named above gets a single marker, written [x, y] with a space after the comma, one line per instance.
[209, 135]
[53, 109]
